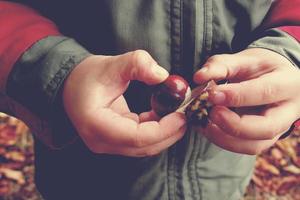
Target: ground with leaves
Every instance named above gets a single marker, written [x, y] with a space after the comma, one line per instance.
[276, 176]
[277, 171]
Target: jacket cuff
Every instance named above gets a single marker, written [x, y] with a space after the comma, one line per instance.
[36, 80]
[280, 42]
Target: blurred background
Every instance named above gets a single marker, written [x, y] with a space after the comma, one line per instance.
[276, 177]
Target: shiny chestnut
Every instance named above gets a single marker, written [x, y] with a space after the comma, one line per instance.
[169, 95]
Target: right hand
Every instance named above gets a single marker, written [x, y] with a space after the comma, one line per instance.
[93, 99]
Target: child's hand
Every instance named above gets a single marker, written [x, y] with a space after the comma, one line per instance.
[93, 99]
[264, 92]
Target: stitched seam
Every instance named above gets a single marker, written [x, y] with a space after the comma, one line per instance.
[191, 166]
[54, 82]
[168, 152]
[181, 32]
[205, 50]
[176, 35]
[67, 64]
[176, 55]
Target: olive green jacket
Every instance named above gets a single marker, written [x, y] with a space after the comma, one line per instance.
[180, 35]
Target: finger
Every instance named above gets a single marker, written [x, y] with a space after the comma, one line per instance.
[269, 88]
[246, 64]
[148, 116]
[229, 66]
[161, 146]
[115, 129]
[143, 151]
[216, 68]
[237, 145]
[267, 125]
[139, 65]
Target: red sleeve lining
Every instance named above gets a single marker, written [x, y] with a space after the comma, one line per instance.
[283, 13]
[294, 31]
[22, 27]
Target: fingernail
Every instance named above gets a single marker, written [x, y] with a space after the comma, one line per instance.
[198, 76]
[160, 72]
[217, 97]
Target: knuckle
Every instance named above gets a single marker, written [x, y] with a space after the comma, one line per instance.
[234, 98]
[227, 62]
[215, 59]
[139, 61]
[138, 142]
[141, 53]
[137, 56]
[235, 131]
[268, 92]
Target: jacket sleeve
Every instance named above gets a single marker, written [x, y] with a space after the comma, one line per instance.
[20, 28]
[286, 16]
[280, 31]
[34, 61]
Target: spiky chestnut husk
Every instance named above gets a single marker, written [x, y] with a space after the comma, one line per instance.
[169, 95]
[198, 110]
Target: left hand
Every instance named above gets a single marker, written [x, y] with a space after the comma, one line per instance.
[263, 89]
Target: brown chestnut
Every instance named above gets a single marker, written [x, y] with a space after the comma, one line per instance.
[169, 95]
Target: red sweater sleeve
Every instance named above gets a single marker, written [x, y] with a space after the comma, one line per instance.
[285, 15]
[20, 28]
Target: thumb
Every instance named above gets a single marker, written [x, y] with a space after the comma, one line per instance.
[139, 65]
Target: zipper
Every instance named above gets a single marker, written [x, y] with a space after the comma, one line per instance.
[176, 17]
[188, 39]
